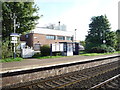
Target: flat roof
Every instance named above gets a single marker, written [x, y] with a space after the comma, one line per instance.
[51, 32]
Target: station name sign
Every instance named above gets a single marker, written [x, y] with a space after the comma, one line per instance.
[14, 37]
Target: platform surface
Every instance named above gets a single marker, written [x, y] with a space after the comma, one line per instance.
[42, 63]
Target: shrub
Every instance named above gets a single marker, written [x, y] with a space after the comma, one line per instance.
[102, 49]
[45, 50]
[36, 55]
[98, 50]
[56, 53]
[110, 49]
[89, 46]
[6, 50]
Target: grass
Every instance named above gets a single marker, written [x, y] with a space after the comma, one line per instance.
[47, 57]
[11, 59]
[20, 59]
[95, 54]
[82, 53]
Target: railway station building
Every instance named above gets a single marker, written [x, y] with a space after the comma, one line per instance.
[45, 36]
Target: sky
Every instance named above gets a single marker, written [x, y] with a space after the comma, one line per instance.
[76, 14]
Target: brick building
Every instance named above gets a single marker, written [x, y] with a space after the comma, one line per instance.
[43, 36]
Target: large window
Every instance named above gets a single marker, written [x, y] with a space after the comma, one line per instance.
[60, 37]
[50, 37]
[68, 38]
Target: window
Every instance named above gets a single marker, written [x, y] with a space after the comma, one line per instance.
[50, 37]
[68, 38]
[26, 36]
[61, 38]
[36, 47]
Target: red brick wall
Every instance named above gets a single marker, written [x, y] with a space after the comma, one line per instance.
[41, 38]
[35, 38]
[22, 38]
[30, 40]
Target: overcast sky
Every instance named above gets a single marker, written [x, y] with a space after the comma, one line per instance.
[76, 14]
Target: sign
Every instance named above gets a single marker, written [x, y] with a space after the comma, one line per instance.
[14, 38]
[14, 34]
[57, 47]
[13, 41]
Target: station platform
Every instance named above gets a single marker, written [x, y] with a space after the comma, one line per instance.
[28, 64]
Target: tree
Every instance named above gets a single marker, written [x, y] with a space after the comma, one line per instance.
[111, 39]
[118, 40]
[99, 33]
[25, 18]
[82, 43]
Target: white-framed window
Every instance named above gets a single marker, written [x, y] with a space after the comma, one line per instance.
[60, 37]
[68, 38]
[50, 37]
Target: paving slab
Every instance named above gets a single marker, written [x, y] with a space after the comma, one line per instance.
[42, 63]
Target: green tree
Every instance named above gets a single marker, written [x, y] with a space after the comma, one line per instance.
[118, 40]
[25, 17]
[111, 39]
[99, 33]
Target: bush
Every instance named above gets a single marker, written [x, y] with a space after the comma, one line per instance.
[102, 49]
[45, 50]
[89, 46]
[110, 49]
[6, 50]
[36, 55]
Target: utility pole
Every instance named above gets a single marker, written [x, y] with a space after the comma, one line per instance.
[14, 17]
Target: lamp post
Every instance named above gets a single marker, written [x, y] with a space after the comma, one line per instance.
[75, 35]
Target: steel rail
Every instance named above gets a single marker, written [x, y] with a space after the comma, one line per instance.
[103, 83]
[82, 76]
[70, 83]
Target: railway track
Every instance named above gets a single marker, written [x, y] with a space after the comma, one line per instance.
[112, 83]
[69, 79]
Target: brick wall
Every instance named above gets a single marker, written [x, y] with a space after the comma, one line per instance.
[35, 38]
